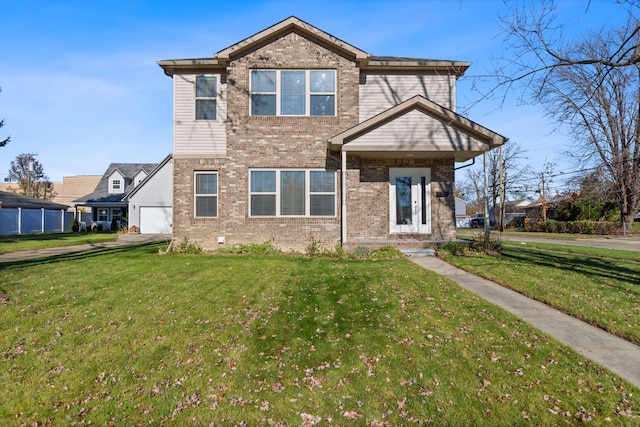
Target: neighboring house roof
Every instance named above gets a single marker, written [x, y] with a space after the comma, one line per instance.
[292, 24]
[149, 176]
[101, 195]
[12, 200]
[479, 139]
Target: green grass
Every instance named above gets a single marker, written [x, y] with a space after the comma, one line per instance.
[479, 232]
[130, 337]
[585, 250]
[599, 286]
[25, 242]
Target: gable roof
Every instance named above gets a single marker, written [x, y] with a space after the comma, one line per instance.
[101, 195]
[12, 200]
[365, 61]
[286, 26]
[477, 138]
[149, 176]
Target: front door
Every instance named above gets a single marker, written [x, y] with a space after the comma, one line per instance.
[410, 200]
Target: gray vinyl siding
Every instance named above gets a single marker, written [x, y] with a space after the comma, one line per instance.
[417, 130]
[379, 92]
[156, 191]
[206, 138]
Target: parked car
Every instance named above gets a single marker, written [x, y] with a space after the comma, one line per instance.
[477, 222]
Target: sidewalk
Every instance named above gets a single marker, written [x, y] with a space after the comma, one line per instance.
[122, 240]
[614, 353]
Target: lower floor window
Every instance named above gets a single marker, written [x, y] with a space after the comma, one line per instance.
[292, 192]
[206, 194]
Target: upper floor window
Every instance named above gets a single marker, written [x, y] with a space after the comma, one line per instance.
[206, 194]
[293, 92]
[116, 185]
[206, 93]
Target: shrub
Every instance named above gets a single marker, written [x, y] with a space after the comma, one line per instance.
[265, 248]
[454, 247]
[185, 247]
[361, 251]
[493, 245]
[75, 226]
[314, 246]
[114, 225]
[476, 244]
[385, 252]
[551, 226]
[534, 225]
[585, 227]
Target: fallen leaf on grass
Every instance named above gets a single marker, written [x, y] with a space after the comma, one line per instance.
[352, 415]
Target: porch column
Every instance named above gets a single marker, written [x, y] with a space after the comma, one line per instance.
[42, 219]
[343, 196]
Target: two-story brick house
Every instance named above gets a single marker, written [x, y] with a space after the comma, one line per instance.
[293, 135]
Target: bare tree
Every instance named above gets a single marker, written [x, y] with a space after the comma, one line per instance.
[31, 179]
[473, 189]
[588, 86]
[513, 173]
[506, 164]
[5, 141]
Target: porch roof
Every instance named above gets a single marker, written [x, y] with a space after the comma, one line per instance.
[417, 128]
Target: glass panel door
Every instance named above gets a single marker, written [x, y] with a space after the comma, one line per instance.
[409, 200]
[404, 201]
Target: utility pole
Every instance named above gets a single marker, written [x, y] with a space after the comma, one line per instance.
[31, 158]
[487, 231]
[501, 216]
[543, 201]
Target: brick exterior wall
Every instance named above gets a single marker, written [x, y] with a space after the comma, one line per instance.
[268, 142]
[298, 142]
[368, 201]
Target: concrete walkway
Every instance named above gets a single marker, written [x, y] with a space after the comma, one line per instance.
[614, 353]
[122, 240]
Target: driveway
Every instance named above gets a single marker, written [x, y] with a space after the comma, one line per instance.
[122, 240]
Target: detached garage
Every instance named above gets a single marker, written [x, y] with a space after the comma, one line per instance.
[151, 202]
[26, 215]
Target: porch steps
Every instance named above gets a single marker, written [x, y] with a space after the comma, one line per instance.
[418, 252]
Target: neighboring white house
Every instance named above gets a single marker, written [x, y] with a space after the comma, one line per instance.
[151, 201]
[462, 219]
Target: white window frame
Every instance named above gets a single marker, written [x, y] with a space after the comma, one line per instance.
[308, 93]
[307, 191]
[100, 216]
[196, 195]
[205, 98]
[116, 185]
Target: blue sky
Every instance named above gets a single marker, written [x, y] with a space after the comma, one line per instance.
[81, 87]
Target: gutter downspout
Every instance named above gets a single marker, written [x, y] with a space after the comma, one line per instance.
[473, 162]
[343, 197]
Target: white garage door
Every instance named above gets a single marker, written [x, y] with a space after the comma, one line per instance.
[154, 220]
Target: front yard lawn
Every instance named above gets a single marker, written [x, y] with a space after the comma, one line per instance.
[26, 242]
[599, 286]
[137, 338]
